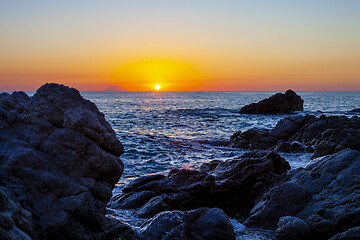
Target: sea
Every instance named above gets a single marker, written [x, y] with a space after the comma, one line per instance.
[164, 130]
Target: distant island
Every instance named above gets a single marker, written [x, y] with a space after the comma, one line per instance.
[114, 89]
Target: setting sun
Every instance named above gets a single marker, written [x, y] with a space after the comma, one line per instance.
[172, 75]
[157, 87]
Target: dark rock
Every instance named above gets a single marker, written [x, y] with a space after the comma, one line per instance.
[5, 221]
[296, 147]
[321, 226]
[154, 206]
[206, 167]
[59, 158]
[323, 135]
[356, 110]
[133, 200]
[254, 138]
[283, 147]
[199, 224]
[234, 185]
[324, 148]
[325, 195]
[351, 234]
[278, 103]
[165, 225]
[118, 230]
[288, 126]
[276, 204]
[15, 222]
[213, 224]
[292, 228]
[142, 181]
[310, 149]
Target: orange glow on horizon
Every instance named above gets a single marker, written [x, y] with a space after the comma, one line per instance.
[169, 75]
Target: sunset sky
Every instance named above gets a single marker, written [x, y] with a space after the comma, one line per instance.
[181, 45]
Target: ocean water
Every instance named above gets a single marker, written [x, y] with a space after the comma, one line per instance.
[163, 130]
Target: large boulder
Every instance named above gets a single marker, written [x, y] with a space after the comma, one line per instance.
[198, 224]
[321, 135]
[279, 103]
[59, 159]
[234, 186]
[325, 195]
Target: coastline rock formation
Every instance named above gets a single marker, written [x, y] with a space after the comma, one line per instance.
[324, 196]
[59, 161]
[323, 135]
[234, 186]
[279, 103]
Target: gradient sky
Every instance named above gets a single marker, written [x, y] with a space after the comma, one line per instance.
[183, 45]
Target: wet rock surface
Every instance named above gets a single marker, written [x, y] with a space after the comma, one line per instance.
[59, 160]
[234, 186]
[323, 135]
[279, 103]
[198, 224]
[325, 195]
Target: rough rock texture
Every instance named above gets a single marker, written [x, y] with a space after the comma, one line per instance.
[59, 159]
[323, 135]
[233, 185]
[198, 224]
[15, 222]
[278, 103]
[325, 194]
[292, 228]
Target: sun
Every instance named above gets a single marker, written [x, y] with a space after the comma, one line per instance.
[157, 87]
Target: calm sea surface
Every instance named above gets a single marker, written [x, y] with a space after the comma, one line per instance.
[162, 130]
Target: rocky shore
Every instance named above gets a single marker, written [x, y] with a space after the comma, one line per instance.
[59, 162]
[234, 186]
[320, 135]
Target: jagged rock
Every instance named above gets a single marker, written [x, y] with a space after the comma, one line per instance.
[325, 195]
[234, 186]
[323, 135]
[198, 224]
[59, 158]
[278, 103]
